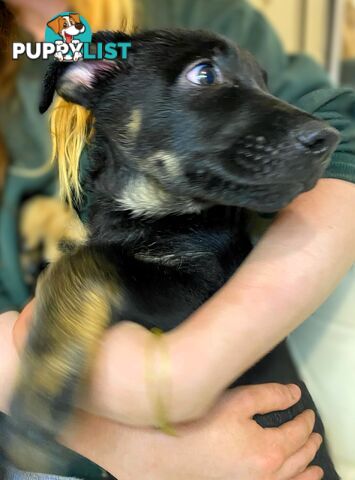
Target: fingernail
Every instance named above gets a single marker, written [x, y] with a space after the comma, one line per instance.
[295, 391]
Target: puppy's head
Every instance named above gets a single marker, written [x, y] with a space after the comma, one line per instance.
[191, 114]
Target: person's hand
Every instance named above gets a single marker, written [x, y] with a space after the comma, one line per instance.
[226, 444]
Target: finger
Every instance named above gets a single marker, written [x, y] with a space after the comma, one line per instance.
[298, 463]
[21, 327]
[268, 397]
[293, 435]
[312, 473]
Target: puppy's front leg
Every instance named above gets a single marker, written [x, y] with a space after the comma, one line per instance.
[74, 305]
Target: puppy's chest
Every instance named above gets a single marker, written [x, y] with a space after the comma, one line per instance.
[210, 244]
[168, 274]
[201, 253]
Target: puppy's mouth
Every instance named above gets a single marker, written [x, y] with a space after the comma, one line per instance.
[68, 38]
[263, 197]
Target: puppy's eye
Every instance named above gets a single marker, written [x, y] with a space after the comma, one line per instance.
[66, 25]
[205, 74]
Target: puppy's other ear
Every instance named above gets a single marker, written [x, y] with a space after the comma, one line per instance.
[75, 17]
[56, 24]
[76, 82]
[53, 73]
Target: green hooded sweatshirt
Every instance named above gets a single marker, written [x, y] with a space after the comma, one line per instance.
[296, 79]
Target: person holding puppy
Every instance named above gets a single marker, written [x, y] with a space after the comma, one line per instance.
[313, 269]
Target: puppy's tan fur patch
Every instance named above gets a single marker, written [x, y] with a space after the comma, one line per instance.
[169, 161]
[48, 221]
[67, 329]
[144, 196]
[135, 123]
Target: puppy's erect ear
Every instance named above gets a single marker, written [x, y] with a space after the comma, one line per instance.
[76, 82]
[56, 24]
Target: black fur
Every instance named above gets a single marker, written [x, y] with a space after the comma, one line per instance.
[174, 164]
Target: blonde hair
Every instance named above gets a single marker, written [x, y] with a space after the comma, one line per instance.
[72, 125]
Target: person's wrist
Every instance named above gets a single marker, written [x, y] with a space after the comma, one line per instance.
[191, 392]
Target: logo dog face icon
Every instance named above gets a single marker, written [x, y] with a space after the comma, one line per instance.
[67, 26]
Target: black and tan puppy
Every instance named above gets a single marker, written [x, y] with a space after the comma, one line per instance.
[187, 136]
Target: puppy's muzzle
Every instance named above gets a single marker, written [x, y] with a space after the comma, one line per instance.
[275, 153]
[284, 145]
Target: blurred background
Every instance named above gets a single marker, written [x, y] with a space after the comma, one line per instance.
[324, 29]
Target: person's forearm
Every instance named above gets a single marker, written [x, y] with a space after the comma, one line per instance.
[136, 453]
[289, 274]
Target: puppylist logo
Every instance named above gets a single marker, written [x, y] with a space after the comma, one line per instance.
[68, 38]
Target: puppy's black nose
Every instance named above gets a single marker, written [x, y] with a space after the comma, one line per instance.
[317, 139]
[79, 26]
